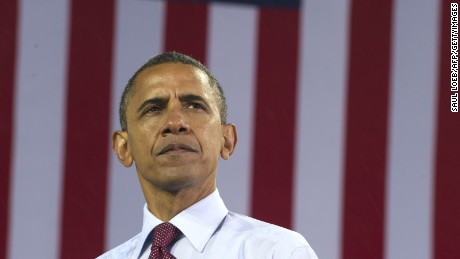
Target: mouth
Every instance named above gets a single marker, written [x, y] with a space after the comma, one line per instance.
[175, 149]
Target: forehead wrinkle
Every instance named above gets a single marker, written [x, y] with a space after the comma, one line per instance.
[166, 75]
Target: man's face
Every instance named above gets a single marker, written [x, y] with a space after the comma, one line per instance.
[174, 132]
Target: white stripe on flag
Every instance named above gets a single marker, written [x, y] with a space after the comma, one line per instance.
[411, 130]
[231, 53]
[38, 139]
[320, 127]
[138, 36]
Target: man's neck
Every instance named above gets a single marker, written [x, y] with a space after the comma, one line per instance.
[165, 204]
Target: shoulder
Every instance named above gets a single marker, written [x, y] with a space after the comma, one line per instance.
[256, 229]
[259, 237]
[125, 250]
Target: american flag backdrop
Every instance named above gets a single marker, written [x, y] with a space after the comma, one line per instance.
[342, 109]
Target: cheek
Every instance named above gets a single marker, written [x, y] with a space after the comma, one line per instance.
[212, 138]
[140, 143]
[134, 147]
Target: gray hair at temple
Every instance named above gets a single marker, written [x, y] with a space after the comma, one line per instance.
[171, 57]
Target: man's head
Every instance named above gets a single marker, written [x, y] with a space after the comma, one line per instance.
[175, 133]
[171, 57]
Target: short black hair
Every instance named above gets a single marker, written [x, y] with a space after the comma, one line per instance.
[171, 57]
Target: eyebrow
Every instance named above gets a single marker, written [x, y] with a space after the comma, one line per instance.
[193, 98]
[163, 100]
[152, 101]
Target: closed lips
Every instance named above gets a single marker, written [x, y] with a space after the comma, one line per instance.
[173, 147]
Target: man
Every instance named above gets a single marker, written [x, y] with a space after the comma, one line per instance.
[173, 119]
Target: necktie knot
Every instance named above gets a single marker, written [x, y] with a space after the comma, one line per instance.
[164, 235]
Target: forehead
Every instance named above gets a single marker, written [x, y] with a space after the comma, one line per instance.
[172, 78]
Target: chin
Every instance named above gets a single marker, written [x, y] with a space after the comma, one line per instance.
[175, 181]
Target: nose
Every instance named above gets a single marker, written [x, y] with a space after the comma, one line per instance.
[175, 123]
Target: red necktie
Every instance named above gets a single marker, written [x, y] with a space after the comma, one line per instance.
[164, 235]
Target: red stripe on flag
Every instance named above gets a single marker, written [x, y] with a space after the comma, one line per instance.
[87, 129]
[186, 28]
[447, 179]
[366, 130]
[275, 117]
[8, 24]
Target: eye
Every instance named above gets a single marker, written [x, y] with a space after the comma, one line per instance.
[153, 109]
[195, 106]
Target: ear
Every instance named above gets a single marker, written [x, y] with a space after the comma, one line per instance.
[121, 148]
[230, 139]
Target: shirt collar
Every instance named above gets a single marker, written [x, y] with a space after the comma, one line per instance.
[198, 222]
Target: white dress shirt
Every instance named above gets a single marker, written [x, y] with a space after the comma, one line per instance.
[211, 231]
